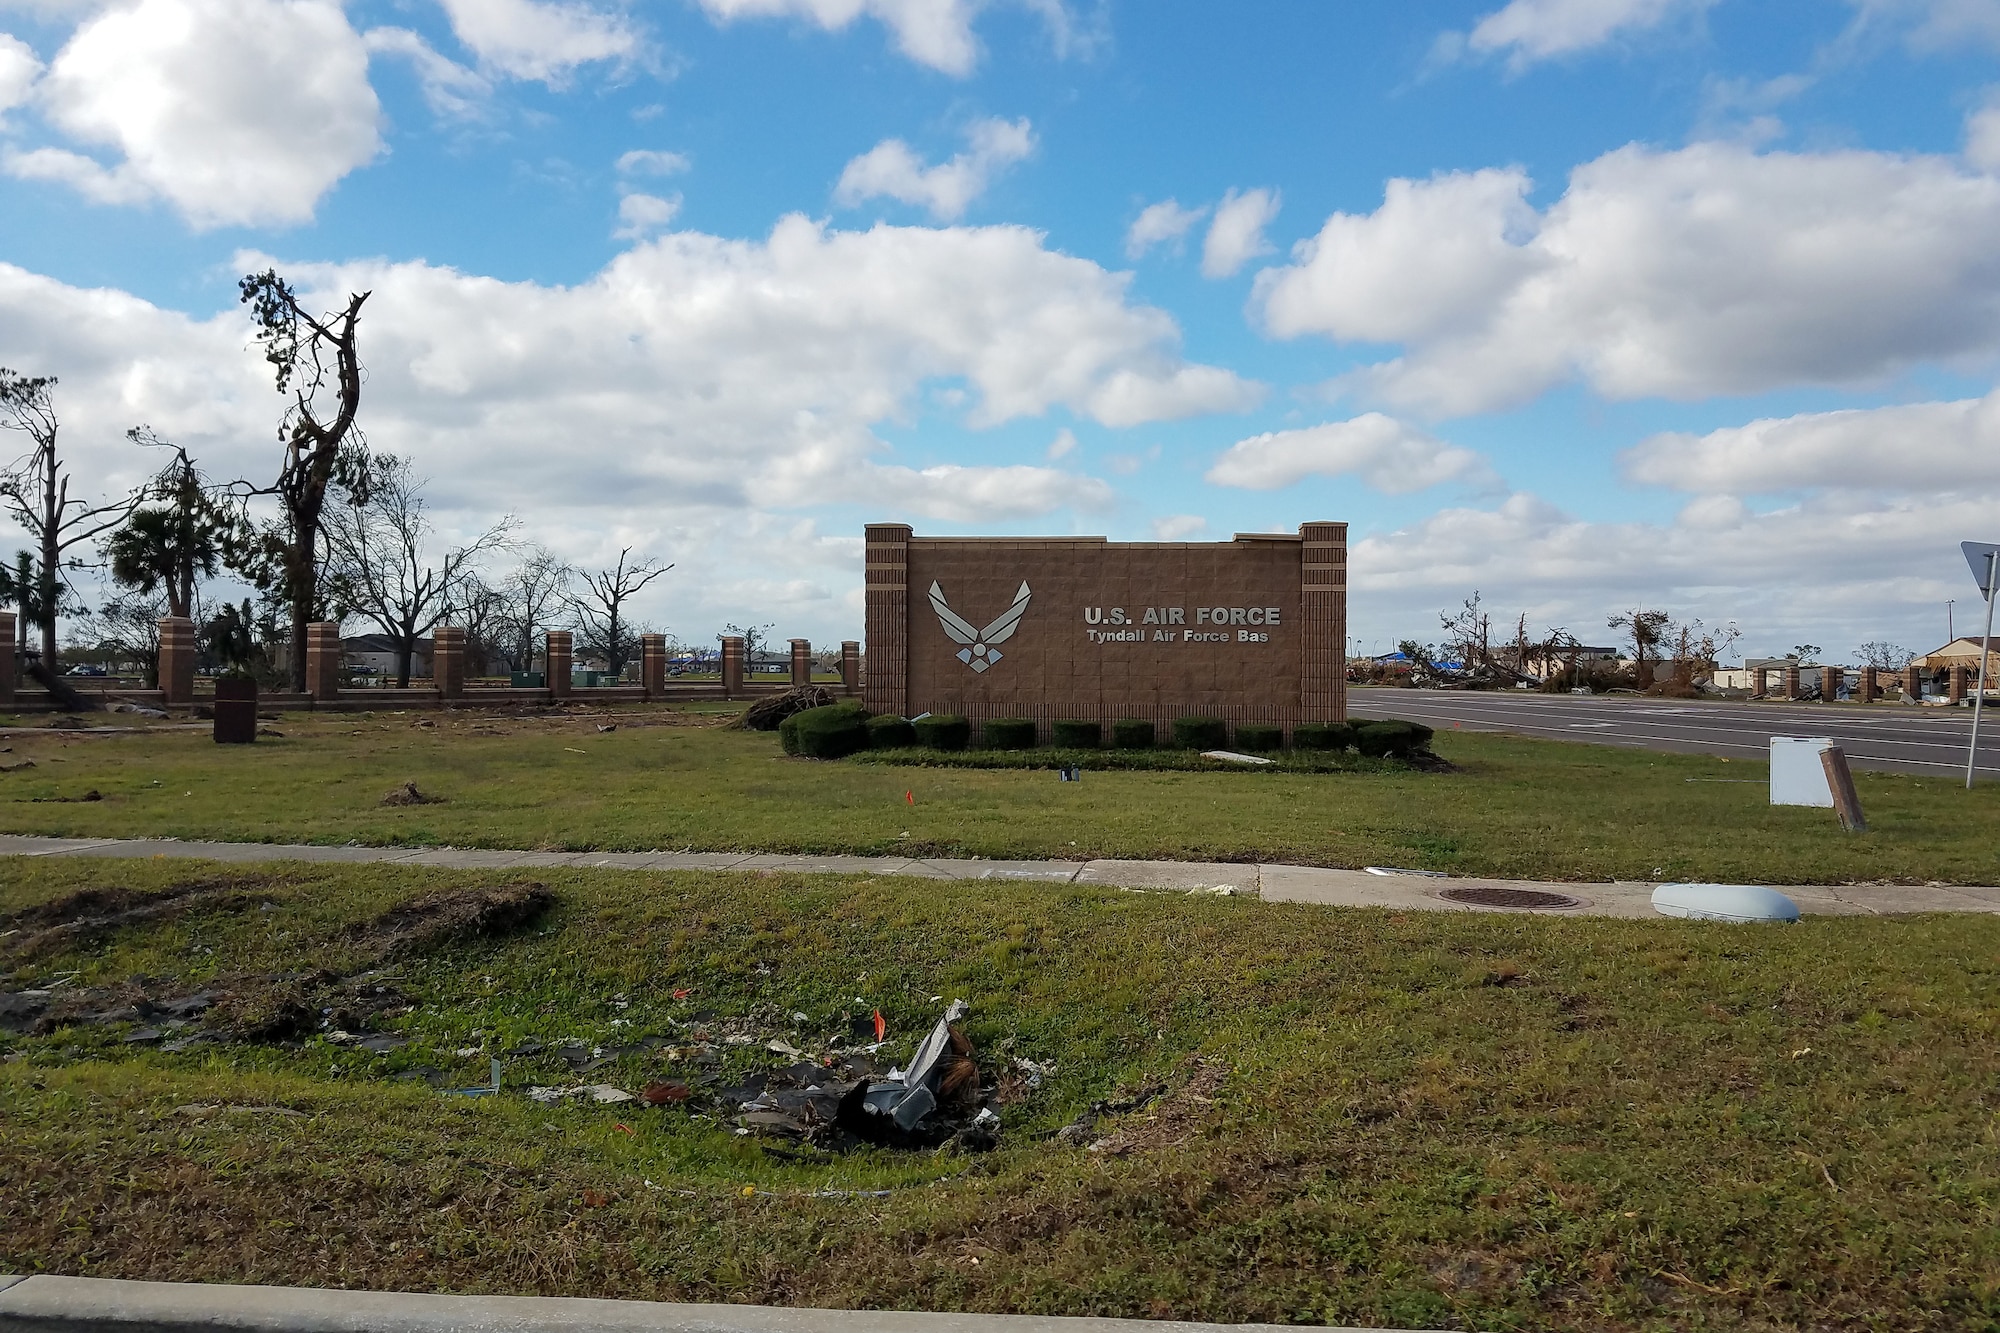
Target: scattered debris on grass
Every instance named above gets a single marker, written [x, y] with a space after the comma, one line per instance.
[407, 794]
[455, 914]
[1176, 1117]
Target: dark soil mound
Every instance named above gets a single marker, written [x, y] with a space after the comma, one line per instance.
[456, 914]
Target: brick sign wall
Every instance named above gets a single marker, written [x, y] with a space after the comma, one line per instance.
[1250, 630]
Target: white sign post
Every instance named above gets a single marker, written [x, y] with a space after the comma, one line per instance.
[1984, 557]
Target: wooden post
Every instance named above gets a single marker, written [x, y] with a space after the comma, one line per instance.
[802, 662]
[850, 668]
[1846, 801]
[558, 663]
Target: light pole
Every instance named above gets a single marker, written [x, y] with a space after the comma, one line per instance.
[1950, 636]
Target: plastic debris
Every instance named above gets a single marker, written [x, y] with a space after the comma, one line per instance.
[489, 1090]
[1231, 757]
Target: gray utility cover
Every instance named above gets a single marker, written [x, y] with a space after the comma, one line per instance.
[1977, 554]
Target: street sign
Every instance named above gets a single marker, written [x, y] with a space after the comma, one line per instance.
[1980, 555]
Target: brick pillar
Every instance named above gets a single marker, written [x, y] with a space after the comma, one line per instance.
[177, 659]
[888, 618]
[1323, 628]
[653, 664]
[1913, 681]
[1958, 675]
[1791, 682]
[1869, 687]
[732, 666]
[7, 652]
[557, 664]
[448, 661]
[850, 668]
[1760, 684]
[323, 660]
[1831, 679]
[802, 662]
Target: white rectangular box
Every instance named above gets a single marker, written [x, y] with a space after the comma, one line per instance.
[1797, 775]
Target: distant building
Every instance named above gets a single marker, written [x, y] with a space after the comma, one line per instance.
[375, 654]
[1965, 653]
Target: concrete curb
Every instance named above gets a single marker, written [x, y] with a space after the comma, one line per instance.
[1317, 885]
[48, 1304]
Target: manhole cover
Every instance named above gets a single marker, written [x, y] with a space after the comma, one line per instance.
[1485, 895]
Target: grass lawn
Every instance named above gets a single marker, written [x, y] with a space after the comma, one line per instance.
[673, 778]
[1403, 1120]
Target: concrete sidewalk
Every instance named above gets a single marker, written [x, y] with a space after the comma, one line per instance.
[1273, 883]
[47, 1304]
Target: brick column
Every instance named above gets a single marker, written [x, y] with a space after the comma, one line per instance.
[1958, 675]
[177, 659]
[850, 668]
[1831, 679]
[653, 664]
[802, 662]
[1759, 683]
[888, 618]
[732, 666]
[323, 660]
[1323, 629]
[1870, 689]
[7, 654]
[557, 663]
[1791, 682]
[448, 661]
[1913, 682]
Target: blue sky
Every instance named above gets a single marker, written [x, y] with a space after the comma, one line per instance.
[1584, 304]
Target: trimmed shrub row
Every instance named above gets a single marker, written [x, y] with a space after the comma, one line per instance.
[836, 730]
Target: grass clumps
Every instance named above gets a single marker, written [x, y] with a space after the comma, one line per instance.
[942, 731]
[1132, 733]
[1200, 733]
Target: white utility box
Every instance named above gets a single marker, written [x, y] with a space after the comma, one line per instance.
[1798, 777]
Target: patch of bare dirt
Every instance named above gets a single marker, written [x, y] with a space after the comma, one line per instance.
[407, 794]
[92, 913]
[452, 915]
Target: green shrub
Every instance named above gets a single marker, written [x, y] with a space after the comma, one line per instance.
[1010, 733]
[942, 731]
[1392, 737]
[1076, 735]
[1323, 736]
[788, 734]
[827, 733]
[1200, 733]
[889, 732]
[1258, 737]
[1132, 733]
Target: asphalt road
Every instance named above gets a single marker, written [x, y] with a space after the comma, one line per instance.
[1883, 736]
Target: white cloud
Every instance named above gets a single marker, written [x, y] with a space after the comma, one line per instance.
[450, 89]
[891, 170]
[1910, 447]
[982, 494]
[531, 39]
[1063, 445]
[1178, 527]
[1982, 137]
[1237, 235]
[1528, 31]
[1388, 455]
[236, 112]
[937, 33]
[652, 162]
[19, 69]
[1165, 221]
[1710, 269]
[640, 215]
[1930, 26]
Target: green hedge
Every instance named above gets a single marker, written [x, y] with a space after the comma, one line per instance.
[1132, 733]
[1259, 737]
[832, 732]
[1392, 737]
[889, 732]
[1010, 733]
[942, 731]
[1323, 736]
[1076, 735]
[1200, 733]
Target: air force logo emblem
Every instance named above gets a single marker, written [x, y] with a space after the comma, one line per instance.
[979, 652]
